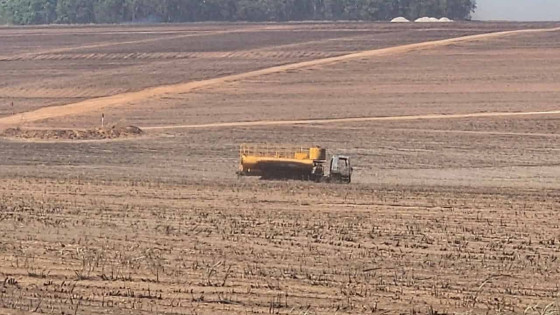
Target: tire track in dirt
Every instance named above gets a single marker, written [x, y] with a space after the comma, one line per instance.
[155, 92]
[40, 93]
[244, 54]
[268, 52]
[480, 132]
[30, 91]
[274, 52]
[264, 123]
[36, 54]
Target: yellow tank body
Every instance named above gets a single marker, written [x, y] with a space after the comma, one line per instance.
[317, 153]
[279, 161]
[257, 166]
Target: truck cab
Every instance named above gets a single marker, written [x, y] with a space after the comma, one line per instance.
[341, 169]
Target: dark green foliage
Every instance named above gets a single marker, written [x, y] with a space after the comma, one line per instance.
[28, 11]
[74, 11]
[119, 11]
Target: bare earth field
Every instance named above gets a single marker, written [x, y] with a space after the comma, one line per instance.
[454, 135]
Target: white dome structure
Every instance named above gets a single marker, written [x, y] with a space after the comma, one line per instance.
[423, 20]
[432, 20]
[400, 19]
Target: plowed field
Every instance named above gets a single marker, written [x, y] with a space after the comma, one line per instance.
[453, 130]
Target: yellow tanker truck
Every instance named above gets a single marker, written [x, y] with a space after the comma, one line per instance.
[290, 162]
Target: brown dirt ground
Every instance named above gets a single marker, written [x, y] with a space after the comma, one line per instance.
[254, 247]
[69, 134]
[166, 55]
[455, 215]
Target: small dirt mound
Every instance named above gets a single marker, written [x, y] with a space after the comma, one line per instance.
[113, 132]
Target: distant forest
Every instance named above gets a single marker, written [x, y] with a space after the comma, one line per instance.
[147, 11]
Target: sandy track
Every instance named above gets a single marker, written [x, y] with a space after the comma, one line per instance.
[482, 133]
[156, 92]
[351, 120]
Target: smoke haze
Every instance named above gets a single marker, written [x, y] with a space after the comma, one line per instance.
[518, 10]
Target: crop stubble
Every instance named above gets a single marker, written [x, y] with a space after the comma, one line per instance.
[127, 247]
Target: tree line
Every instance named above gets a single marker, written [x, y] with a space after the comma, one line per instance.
[145, 11]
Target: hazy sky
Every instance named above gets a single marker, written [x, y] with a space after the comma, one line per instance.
[519, 10]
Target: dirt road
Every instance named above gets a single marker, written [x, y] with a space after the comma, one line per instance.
[182, 88]
[351, 120]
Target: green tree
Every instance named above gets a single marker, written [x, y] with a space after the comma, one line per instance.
[175, 10]
[214, 10]
[109, 11]
[140, 11]
[430, 8]
[253, 10]
[334, 9]
[118, 11]
[74, 11]
[460, 9]
[377, 10]
[28, 11]
[4, 12]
